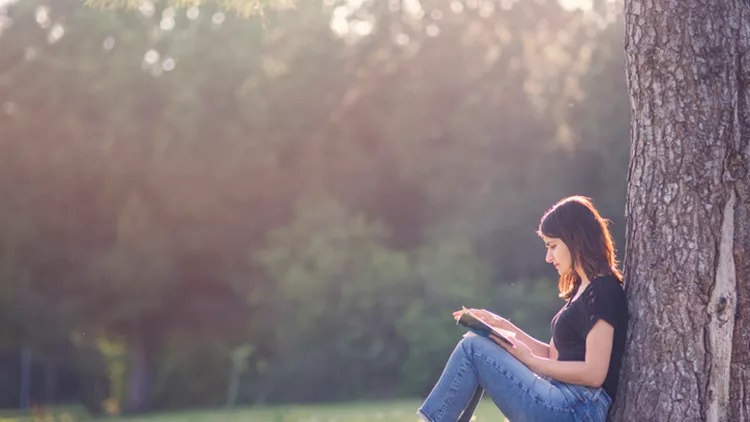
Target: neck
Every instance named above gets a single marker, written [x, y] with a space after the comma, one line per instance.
[584, 279]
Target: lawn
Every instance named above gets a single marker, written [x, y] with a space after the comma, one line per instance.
[391, 411]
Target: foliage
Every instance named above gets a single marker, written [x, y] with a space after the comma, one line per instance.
[325, 184]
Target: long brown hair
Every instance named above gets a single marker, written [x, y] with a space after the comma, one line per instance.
[576, 222]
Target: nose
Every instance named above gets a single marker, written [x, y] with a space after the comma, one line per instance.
[549, 256]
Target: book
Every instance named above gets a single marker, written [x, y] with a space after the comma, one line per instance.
[481, 328]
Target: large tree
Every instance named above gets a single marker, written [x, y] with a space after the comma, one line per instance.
[687, 259]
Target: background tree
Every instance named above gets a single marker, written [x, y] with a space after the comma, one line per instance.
[172, 179]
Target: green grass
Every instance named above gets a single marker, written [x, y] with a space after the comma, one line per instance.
[58, 414]
[390, 411]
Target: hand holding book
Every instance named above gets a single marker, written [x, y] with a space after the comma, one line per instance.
[485, 324]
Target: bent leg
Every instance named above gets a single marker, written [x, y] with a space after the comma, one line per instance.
[517, 391]
[472, 407]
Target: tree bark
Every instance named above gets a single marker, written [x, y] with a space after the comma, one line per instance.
[687, 254]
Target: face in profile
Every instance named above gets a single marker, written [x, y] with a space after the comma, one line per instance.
[558, 254]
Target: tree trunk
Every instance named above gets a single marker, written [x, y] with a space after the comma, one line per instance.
[50, 382]
[26, 364]
[687, 257]
[140, 371]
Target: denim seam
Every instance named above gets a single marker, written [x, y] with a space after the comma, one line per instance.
[453, 388]
[513, 380]
[425, 415]
[603, 412]
[595, 401]
[592, 397]
[575, 392]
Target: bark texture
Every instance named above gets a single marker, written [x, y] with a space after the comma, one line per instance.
[687, 257]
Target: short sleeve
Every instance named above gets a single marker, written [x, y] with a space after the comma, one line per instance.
[603, 300]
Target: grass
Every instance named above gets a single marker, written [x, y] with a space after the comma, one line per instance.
[391, 411]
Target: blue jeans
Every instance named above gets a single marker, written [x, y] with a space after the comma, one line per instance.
[478, 365]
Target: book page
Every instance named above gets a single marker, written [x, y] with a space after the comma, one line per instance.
[473, 322]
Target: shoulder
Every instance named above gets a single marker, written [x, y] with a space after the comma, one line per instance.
[605, 299]
[607, 286]
[606, 283]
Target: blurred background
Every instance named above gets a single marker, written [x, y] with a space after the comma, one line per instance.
[202, 208]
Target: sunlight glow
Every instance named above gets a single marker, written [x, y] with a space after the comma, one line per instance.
[218, 18]
[362, 28]
[55, 33]
[168, 64]
[414, 8]
[151, 57]
[42, 17]
[577, 4]
[167, 24]
[486, 9]
[5, 20]
[146, 8]
[193, 13]
[432, 30]
[345, 25]
[339, 21]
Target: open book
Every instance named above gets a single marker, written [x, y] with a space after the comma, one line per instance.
[481, 328]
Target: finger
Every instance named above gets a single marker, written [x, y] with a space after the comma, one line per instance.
[499, 342]
[502, 343]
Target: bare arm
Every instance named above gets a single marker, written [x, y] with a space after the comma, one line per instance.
[553, 355]
[592, 371]
[538, 348]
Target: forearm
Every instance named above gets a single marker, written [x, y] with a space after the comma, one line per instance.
[568, 372]
[537, 347]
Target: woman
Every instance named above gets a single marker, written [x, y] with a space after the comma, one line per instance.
[574, 377]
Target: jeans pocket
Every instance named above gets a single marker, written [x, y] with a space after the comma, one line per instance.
[576, 391]
[593, 395]
[600, 403]
[590, 395]
[592, 403]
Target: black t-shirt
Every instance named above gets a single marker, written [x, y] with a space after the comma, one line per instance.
[604, 299]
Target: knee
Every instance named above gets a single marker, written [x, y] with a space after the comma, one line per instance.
[472, 344]
[477, 345]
